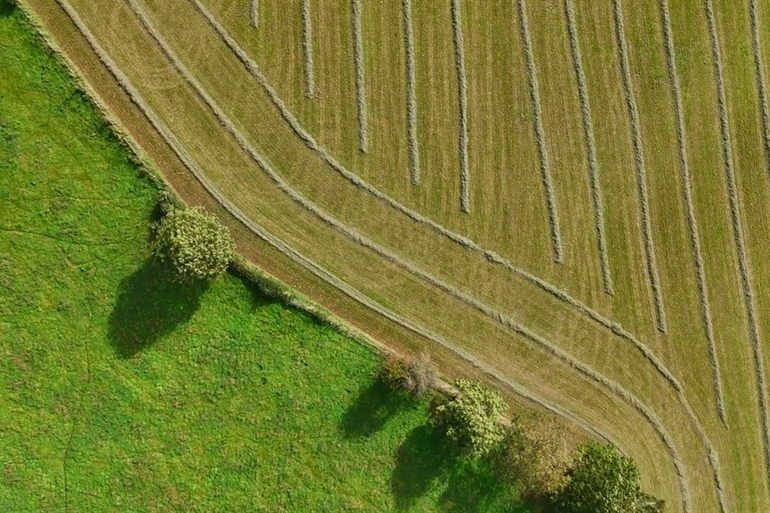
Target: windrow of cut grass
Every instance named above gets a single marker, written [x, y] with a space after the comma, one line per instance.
[411, 93]
[307, 48]
[358, 58]
[462, 95]
[585, 319]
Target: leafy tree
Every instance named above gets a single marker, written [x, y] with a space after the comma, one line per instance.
[471, 420]
[601, 481]
[195, 243]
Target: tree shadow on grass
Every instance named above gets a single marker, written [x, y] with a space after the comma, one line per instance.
[372, 408]
[7, 7]
[475, 487]
[421, 460]
[149, 305]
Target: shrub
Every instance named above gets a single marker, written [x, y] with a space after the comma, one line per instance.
[604, 481]
[414, 376]
[195, 244]
[536, 457]
[471, 420]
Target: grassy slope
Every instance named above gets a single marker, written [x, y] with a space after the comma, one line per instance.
[231, 402]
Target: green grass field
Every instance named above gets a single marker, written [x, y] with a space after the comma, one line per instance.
[124, 392]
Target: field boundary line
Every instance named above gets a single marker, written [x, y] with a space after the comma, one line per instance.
[735, 214]
[588, 134]
[411, 93]
[537, 123]
[279, 245]
[478, 305]
[641, 173]
[761, 85]
[307, 49]
[359, 68]
[254, 13]
[462, 95]
[692, 221]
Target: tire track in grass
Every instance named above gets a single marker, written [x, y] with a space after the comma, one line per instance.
[692, 222]
[462, 94]
[254, 13]
[307, 48]
[740, 247]
[279, 245]
[761, 84]
[502, 319]
[359, 65]
[411, 93]
[588, 128]
[641, 173]
[545, 166]
[491, 256]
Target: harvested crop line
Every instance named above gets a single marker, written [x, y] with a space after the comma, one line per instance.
[761, 86]
[545, 166]
[641, 174]
[411, 93]
[358, 58]
[190, 163]
[588, 128]
[307, 48]
[254, 13]
[462, 88]
[740, 248]
[692, 222]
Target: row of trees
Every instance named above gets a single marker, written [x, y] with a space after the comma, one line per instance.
[537, 458]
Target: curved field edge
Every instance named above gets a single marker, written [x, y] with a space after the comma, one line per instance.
[130, 419]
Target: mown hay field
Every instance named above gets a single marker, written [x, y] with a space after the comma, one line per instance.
[565, 197]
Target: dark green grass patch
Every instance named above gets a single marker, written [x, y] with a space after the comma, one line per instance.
[120, 391]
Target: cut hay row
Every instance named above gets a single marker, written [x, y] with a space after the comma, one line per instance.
[462, 93]
[276, 243]
[740, 248]
[254, 13]
[411, 93]
[459, 239]
[761, 86]
[545, 166]
[641, 174]
[358, 59]
[692, 222]
[307, 48]
[588, 129]
[395, 259]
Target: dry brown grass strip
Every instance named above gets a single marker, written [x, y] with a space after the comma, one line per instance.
[359, 65]
[462, 94]
[641, 173]
[542, 150]
[254, 13]
[499, 317]
[307, 48]
[761, 85]
[740, 247]
[588, 133]
[692, 222]
[190, 163]
[411, 93]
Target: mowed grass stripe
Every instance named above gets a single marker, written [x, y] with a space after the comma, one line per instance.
[735, 215]
[411, 93]
[588, 129]
[185, 157]
[491, 256]
[641, 175]
[358, 61]
[764, 111]
[692, 222]
[307, 48]
[462, 94]
[537, 120]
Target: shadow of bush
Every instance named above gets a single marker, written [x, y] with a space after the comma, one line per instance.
[421, 460]
[149, 305]
[372, 408]
[475, 487]
[6, 8]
